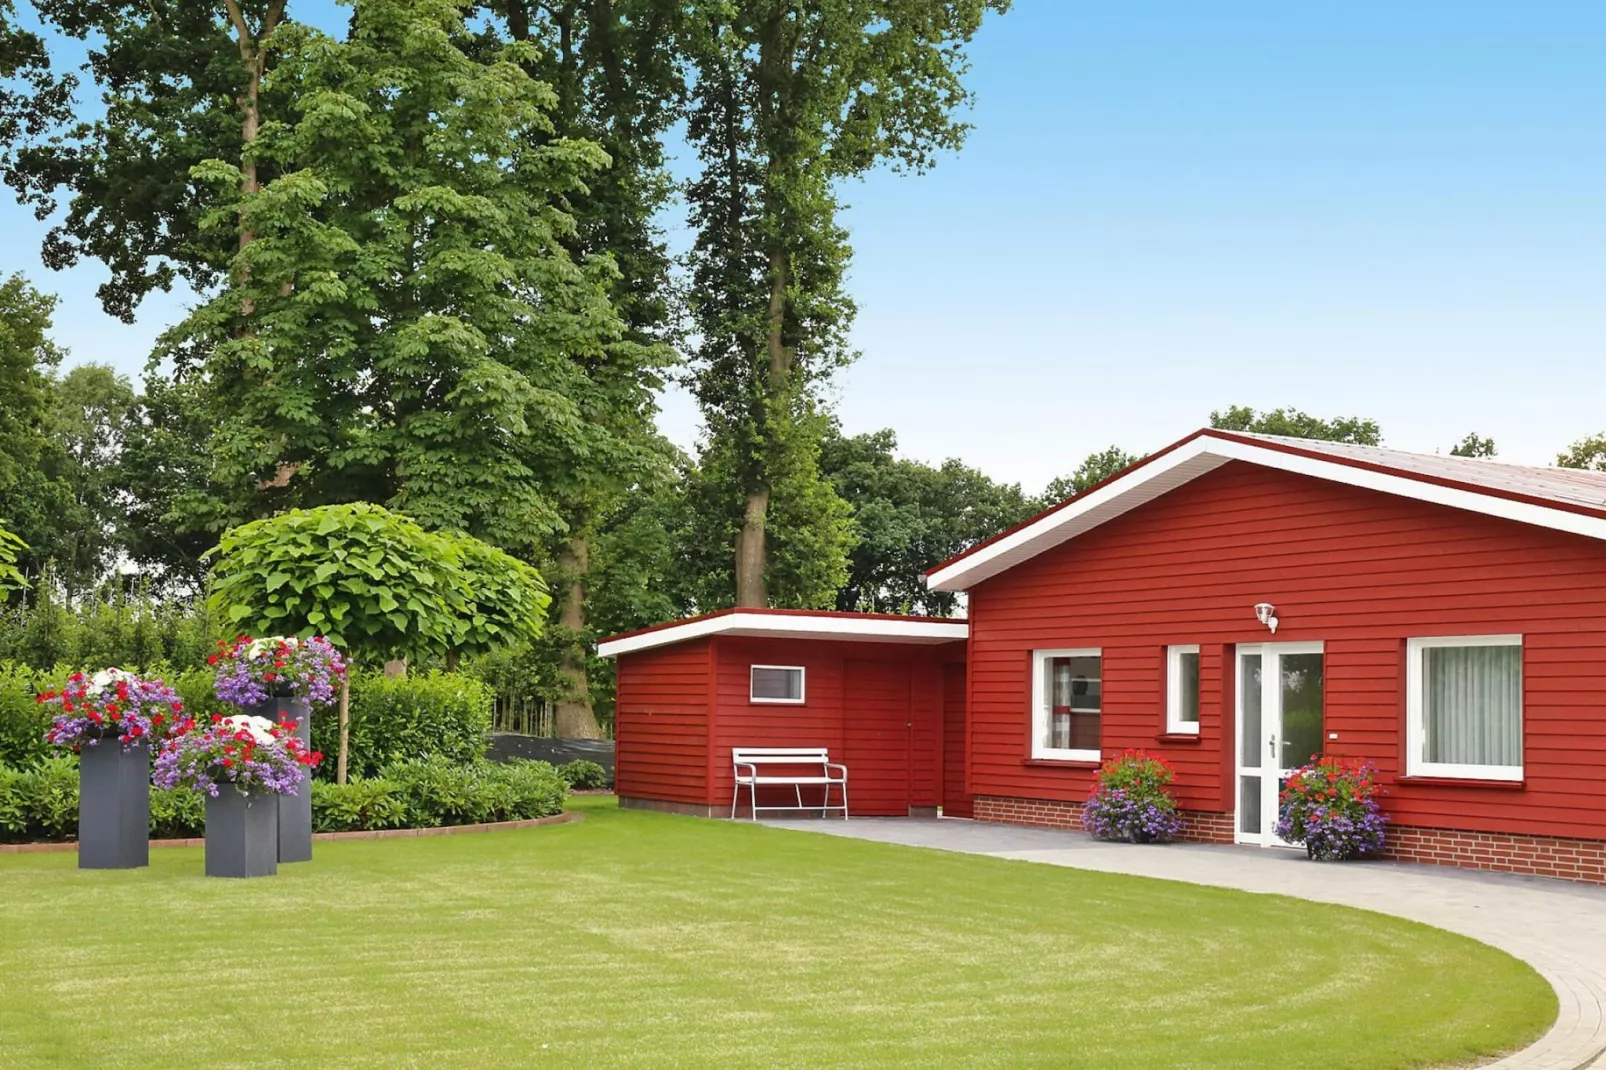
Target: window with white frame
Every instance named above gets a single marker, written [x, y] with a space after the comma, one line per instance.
[1464, 707]
[1067, 703]
[1182, 690]
[775, 683]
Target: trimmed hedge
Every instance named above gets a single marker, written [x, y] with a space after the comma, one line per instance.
[41, 803]
[584, 775]
[422, 715]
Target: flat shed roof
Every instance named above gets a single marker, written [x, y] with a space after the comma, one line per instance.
[791, 624]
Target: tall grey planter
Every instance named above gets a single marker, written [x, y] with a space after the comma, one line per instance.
[114, 806]
[295, 811]
[242, 834]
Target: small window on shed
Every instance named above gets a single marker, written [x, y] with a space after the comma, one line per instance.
[776, 683]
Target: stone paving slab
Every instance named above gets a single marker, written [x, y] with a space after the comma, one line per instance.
[1556, 927]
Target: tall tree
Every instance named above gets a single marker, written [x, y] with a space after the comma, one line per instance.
[33, 99]
[36, 500]
[91, 408]
[1293, 423]
[1474, 445]
[787, 100]
[1588, 453]
[1094, 469]
[910, 516]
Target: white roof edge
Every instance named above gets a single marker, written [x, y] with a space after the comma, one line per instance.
[780, 625]
[1050, 530]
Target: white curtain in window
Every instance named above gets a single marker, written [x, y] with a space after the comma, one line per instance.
[1473, 705]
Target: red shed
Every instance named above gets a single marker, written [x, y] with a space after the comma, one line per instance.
[884, 694]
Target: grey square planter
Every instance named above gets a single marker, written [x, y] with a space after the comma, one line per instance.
[295, 811]
[242, 834]
[114, 806]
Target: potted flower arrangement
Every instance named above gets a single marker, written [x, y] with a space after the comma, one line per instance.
[1130, 802]
[244, 765]
[111, 720]
[281, 678]
[1331, 807]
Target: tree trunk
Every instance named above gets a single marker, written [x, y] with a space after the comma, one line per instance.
[575, 719]
[345, 733]
[254, 57]
[750, 552]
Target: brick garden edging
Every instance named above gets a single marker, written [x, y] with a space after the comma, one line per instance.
[1198, 826]
[564, 818]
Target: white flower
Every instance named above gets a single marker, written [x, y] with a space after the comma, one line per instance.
[261, 728]
[269, 643]
[106, 678]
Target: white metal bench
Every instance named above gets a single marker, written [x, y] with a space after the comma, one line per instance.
[788, 765]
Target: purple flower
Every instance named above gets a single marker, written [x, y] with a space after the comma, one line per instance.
[249, 670]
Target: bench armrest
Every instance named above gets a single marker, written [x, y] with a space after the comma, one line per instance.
[838, 765]
[739, 767]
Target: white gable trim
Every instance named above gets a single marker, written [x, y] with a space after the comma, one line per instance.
[1203, 454]
[791, 625]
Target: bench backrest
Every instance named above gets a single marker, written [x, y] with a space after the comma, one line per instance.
[779, 755]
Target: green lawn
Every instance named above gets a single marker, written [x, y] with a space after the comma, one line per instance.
[636, 939]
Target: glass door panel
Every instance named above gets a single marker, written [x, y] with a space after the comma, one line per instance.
[1301, 704]
[1280, 689]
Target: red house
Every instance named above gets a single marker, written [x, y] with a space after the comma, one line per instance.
[1236, 603]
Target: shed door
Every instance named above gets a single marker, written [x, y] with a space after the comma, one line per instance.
[876, 737]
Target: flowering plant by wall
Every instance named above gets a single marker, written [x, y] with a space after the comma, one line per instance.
[252, 753]
[250, 671]
[1130, 803]
[111, 704]
[1331, 807]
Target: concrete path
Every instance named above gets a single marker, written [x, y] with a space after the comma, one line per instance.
[1557, 927]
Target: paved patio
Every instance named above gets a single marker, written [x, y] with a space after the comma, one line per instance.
[1557, 927]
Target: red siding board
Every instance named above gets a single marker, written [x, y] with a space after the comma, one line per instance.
[661, 724]
[1361, 571]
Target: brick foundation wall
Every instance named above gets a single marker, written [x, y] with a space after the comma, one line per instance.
[1197, 826]
[1543, 856]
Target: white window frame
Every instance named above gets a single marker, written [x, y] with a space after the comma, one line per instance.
[1415, 723]
[1040, 707]
[802, 686]
[1174, 724]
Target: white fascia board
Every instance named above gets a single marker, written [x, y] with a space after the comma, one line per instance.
[798, 626]
[1083, 513]
[1195, 458]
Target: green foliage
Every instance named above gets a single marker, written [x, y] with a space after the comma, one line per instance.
[583, 775]
[40, 802]
[11, 547]
[374, 582]
[358, 805]
[441, 792]
[1474, 445]
[786, 102]
[36, 500]
[32, 98]
[1588, 453]
[23, 721]
[1095, 469]
[1293, 423]
[435, 714]
[909, 517]
[112, 626]
[177, 814]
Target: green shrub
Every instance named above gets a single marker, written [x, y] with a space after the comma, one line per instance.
[41, 802]
[422, 715]
[439, 792]
[583, 775]
[177, 814]
[358, 805]
[23, 721]
[112, 626]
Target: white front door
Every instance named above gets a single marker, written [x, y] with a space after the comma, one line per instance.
[1279, 728]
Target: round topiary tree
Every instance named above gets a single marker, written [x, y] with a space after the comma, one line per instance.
[376, 584]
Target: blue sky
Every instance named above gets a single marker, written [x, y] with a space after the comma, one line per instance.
[1391, 210]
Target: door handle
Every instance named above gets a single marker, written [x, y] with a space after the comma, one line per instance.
[1272, 746]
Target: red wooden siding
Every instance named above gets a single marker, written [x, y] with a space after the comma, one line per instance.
[1360, 571]
[858, 703]
[661, 723]
[955, 800]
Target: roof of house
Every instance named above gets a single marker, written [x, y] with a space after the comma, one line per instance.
[1561, 498]
[791, 624]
